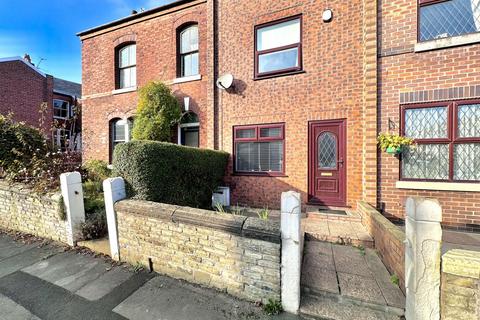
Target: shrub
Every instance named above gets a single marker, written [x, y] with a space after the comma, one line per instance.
[96, 170]
[22, 150]
[95, 225]
[157, 111]
[169, 173]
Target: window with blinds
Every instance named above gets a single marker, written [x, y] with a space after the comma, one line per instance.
[259, 149]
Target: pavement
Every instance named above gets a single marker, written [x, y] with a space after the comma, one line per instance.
[41, 280]
[341, 282]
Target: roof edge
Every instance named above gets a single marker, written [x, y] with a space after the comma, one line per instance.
[133, 17]
[18, 58]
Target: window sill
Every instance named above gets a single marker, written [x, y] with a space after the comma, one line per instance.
[447, 42]
[439, 186]
[124, 90]
[60, 118]
[188, 79]
[290, 73]
[255, 174]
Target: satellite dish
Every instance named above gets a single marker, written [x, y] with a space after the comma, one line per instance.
[224, 82]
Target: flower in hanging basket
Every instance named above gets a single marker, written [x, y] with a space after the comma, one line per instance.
[393, 143]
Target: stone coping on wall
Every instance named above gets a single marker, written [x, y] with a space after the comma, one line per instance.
[462, 263]
[248, 227]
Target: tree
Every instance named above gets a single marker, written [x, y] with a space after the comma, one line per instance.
[157, 111]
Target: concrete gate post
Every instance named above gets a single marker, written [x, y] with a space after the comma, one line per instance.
[292, 250]
[422, 259]
[72, 193]
[113, 190]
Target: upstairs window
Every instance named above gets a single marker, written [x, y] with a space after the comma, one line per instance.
[448, 141]
[447, 18]
[127, 66]
[61, 109]
[278, 47]
[188, 51]
[259, 149]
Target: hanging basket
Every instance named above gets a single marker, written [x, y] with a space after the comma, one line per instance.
[393, 150]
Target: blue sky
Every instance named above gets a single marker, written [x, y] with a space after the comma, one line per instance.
[46, 29]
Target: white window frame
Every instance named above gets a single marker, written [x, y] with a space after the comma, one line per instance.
[68, 109]
[185, 125]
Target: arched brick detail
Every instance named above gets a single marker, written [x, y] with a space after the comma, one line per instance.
[131, 37]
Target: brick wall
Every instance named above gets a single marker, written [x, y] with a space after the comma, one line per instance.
[406, 76]
[460, 287]
[21, 209]
[23, 91]
[232, 253]
[155, 38]
[388, 240]
[330, 88]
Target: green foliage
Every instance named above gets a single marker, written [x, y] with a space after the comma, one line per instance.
[273, 307]
[157, 111]
[96, 170]
[169, 173]
[95, 225]
[394, 279]
[220, 208]
[391, 140]
[22, 149]
[62, 215]
[264, 213]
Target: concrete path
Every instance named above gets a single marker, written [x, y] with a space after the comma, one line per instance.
[43, 281]
[343, 281]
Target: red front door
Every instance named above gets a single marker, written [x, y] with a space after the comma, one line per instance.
[327, 168]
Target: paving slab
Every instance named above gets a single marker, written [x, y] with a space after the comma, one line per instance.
[165, 298]
[69, 270]
[326, 308]
[13, 311]
[360, 288]
[12, 248]
[104, 284]
[350, 260]
[318, 279]
[26, 258]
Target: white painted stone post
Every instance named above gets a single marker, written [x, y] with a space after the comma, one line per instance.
[72, 192]
[113, 190]
[292, 250]
[422, 259]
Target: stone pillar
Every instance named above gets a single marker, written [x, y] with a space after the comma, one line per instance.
[422, 259]
[292, 250]
[113, 190]
[72, 193]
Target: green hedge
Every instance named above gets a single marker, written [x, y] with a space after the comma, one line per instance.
[169, 173]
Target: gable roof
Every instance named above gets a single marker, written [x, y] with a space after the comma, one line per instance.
[10, 59]
[67, 87]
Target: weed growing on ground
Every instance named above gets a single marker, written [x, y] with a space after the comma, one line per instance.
[138, 267]
[273, 307]
[394, 279]
[220, 208]
[361, 249]
[264, 213]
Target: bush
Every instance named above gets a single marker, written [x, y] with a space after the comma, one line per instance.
[22, 151]
[95, 225]
[158, 110]
[169, 173]
[96, 170]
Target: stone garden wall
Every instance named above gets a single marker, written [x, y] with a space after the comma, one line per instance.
[388, 240]
[460, 288]
[22, 209]
[236, 254]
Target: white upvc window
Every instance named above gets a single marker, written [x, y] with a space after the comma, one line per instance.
[61, 109]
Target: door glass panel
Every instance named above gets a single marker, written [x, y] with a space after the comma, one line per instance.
[327, 151]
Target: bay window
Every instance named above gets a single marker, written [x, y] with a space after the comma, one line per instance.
[447, 137]
[259, 149]
[278, 47]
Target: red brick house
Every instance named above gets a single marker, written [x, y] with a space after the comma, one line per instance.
[314, 84]
[24, 88]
